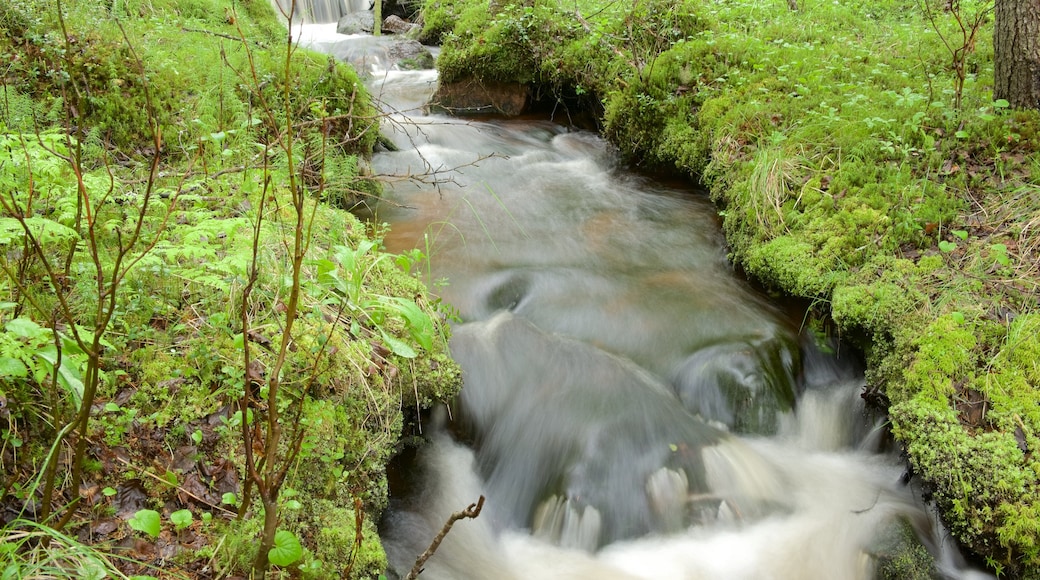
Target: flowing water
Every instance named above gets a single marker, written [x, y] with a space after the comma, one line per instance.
[631, 408]
[319, 11]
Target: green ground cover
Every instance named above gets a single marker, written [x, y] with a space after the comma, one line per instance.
[858, 160]
[185, 299]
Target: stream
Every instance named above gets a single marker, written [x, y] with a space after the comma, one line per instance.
[632, 407]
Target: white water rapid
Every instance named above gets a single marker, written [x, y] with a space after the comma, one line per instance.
[632, 408]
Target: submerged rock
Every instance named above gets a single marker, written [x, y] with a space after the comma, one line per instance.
[584, 446]
[743, 385]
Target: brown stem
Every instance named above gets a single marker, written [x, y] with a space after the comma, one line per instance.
[470, 512]
[262, 563]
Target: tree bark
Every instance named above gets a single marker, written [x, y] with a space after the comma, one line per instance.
[1016, 53]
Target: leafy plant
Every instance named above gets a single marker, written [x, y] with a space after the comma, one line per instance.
[32, 550]
[968, 16]
[181, 519]
[147, 521]
[345, 274]
[286, 548]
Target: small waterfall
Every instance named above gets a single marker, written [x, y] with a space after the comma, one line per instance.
[319, 11]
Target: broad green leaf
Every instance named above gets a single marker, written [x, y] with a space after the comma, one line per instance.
[181, 519]
[26, 328]
[946, 246]
[12, 367]
[286, 549]
[91, 568]
[170, 478]
[46, 231]
[68, 372]
[420, 326]
[398, 346]
[146, 521]
[326, 272]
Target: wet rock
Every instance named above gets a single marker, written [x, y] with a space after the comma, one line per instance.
[396, 25]
[741, 385]
[508, 294]
[407, 9]
[584, 446]
[409, 55]
[379, 53]
[356, 23]
[898, 554]
[472, 97]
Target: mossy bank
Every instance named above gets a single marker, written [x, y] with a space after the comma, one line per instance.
[176, 250]
[854, 167]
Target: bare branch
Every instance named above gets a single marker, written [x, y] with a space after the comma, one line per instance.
[470, 512]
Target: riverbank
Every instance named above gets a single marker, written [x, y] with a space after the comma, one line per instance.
[852, 167]
[198, 333]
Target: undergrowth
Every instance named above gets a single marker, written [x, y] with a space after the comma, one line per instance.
[191, 318]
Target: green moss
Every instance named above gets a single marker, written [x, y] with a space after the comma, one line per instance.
[882, 295]
[978, 477]
[439, 18]
[965, 433]
[791, 265]
[334, 530]
[899, 555]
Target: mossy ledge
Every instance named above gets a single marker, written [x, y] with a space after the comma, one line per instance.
[189, 119]
[831, 140]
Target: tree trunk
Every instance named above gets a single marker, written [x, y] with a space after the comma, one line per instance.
[262, 562]
[1016, 53]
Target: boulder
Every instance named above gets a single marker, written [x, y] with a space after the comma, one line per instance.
[356, 23]
[394, 24]
[409, 55]
[471, 96]
[584, 447]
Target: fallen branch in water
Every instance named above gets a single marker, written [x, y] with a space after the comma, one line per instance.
[470, 512]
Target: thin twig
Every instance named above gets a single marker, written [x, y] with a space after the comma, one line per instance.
[220, 35]
[471, 512]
